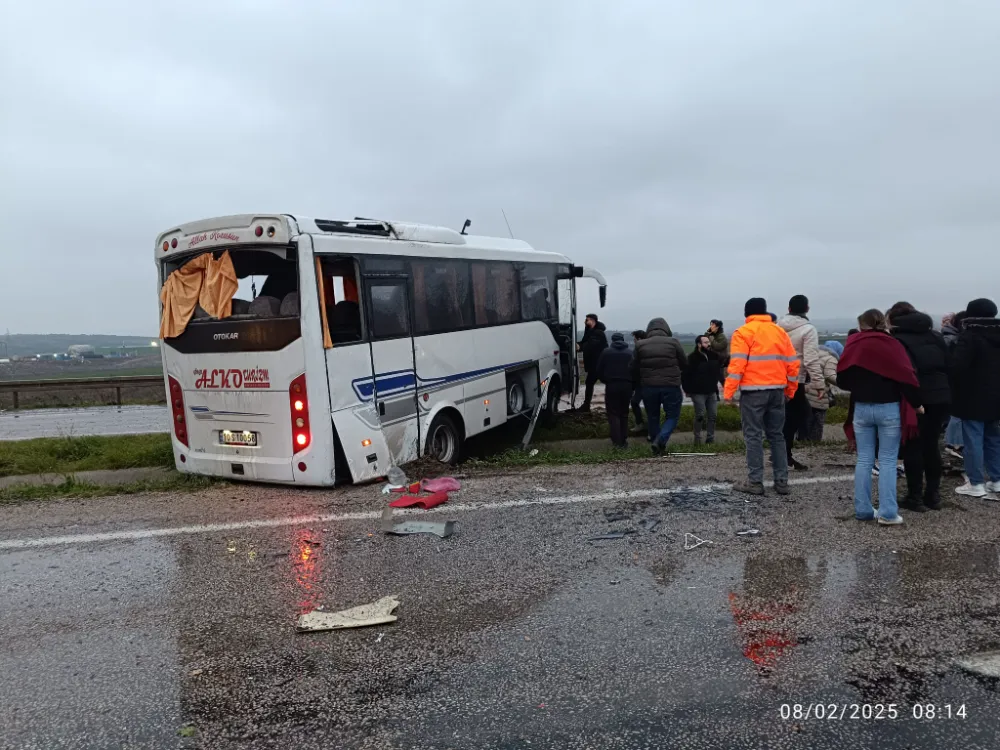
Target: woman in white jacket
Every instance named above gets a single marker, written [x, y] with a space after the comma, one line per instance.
[819, 402]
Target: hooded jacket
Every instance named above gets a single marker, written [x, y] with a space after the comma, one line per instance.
[975, 371]
[828, 360]
[594, 341]
[614, 366]
[805, 339]
[659, 358]
[929, 354]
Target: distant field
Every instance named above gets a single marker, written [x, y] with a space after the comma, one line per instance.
[77, 370]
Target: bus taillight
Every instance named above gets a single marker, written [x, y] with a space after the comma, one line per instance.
[300, 414]
[177, 410]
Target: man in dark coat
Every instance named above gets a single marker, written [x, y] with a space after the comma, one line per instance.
[701, 382]
[658, 362]
[614, 369]
[594, 341]
[929, 354]
[975, 396]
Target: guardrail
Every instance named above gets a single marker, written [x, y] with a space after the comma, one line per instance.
[62, 384]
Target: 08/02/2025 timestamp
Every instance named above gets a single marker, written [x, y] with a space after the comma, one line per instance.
[871, 711]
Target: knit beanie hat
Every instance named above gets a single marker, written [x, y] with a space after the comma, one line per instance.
[755, 306]
[982, 308]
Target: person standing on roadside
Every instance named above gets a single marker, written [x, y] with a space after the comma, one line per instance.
[885, 398]
[975, 396]
[658, 362]
[594, 341]
[821, 398]
[614, 369]
[701, 382]
[720, 345]
[929, 355]
[764, 368]
[636, 403]
[805, 339]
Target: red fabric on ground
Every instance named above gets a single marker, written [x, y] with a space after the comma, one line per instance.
[427, 502]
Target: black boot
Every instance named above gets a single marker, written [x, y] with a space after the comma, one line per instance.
[913, 503]
[932, 499]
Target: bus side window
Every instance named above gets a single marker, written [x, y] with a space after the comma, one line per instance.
[343, 308]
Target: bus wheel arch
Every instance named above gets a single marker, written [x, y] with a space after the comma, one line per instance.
[446, 436]
[550, 414]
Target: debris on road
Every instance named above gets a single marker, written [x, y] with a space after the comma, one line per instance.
[612, 535]
[691, 541]
[615, 515]
[389, 488]
[441, 484]
[376, 613]
[986, 664]
[396, 477]
[443, 530]
[426, 502]
[649, 524]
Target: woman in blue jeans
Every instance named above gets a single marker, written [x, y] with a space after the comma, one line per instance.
[885, 401]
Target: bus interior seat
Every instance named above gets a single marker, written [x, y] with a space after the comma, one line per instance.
[290, 305]
[241, 306]
[265, 306]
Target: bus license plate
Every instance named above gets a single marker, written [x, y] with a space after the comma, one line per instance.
[244, 438]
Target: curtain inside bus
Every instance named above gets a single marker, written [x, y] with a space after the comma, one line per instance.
[203, 280]
[327, 298]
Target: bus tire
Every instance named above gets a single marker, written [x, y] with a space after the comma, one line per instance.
[550, 414]
[444, 440]
[515, 396]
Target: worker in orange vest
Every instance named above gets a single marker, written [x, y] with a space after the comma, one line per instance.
[764, 368]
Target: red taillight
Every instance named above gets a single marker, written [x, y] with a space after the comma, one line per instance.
[177, 408]
[299, 403]
[173, 242]
[259, 231]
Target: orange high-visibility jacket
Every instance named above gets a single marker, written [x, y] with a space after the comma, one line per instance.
[761, 357]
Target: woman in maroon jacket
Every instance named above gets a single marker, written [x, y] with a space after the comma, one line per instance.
[885, 401]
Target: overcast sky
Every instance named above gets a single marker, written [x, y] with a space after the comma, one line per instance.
[698, 153]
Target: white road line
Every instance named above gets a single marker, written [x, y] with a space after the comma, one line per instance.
[451, 509]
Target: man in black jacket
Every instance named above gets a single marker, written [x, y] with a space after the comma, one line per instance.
[658, 361]
[975, 396]
[701, 382]
[614, 369]
[929, 354]
[636, 403]
[594, 341]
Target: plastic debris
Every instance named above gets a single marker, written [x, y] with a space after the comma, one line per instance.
[748, 532]
[691, 541]
[380, 637]
[392, 488]
[427, 502]
[396, 476]
[376, 613]
[534, 452]
[612, 535]
[649, 524]
[442, 484]
[231, 547]
[443, 530]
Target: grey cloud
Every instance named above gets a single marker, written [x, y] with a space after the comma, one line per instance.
[696, 155]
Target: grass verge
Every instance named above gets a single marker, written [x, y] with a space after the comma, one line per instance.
[73, 489]
[67, 455]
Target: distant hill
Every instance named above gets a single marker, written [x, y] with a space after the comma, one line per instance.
[29, 344]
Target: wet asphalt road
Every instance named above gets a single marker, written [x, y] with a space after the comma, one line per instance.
[516, 632]
[97, 420]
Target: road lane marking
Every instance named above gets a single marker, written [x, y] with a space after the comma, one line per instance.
[451, 509]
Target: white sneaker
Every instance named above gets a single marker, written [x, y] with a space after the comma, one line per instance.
[897, 521]
[972, 490]
[993, 486]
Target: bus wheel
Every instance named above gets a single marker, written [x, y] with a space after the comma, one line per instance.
[444, 441]
[550, 417]
[515, 397]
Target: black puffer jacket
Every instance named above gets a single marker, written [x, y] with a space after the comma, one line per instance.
[594, 341]
[614, 366]
[659, 358]
[929, 354]
[975, 371]
[701, 376]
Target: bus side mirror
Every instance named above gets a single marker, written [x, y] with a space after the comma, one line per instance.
[577, 272]
[603, 292]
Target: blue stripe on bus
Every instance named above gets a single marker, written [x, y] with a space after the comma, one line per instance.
[400, 381]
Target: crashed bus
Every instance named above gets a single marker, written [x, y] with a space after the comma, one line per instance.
[314, 352]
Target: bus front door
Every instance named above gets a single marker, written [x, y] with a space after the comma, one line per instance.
[395, 378]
